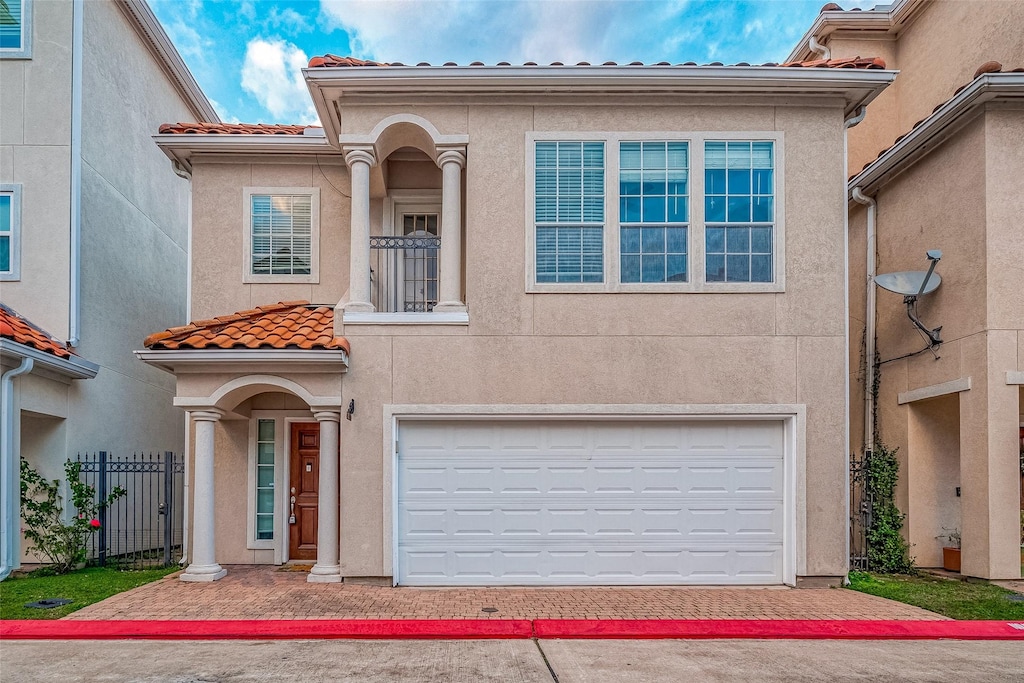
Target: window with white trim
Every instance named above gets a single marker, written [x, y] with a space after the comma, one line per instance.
[658, 212]
[569, 211]
[266, 446]
[282, 235]
[10, 232]
[16, 29]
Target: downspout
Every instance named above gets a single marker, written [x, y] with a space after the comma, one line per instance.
[10, 471]
[75, 284]
[182, 172]
[847, 125]
[869, 321]
[819, 49]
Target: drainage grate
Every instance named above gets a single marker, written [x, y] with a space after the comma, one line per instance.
[1015, 598]
[48, 603]
[489, 610]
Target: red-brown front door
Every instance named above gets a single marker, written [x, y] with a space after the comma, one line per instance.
[304, 492]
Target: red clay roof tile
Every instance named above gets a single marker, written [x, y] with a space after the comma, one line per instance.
[232, 129]
[330, 61]
[288, 324]
[14, 326]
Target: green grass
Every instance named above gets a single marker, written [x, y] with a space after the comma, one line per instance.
[83, 587]
[956, 598]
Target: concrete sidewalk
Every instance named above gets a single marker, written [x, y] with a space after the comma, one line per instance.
[249, 592]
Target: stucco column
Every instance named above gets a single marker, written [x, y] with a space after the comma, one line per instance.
[327, 569]
[359, 162]
[450, 295]
[204, 565]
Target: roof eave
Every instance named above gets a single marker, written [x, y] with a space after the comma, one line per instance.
[890, 20]
[942, 123]
[179, 147]
[197, 360]
[74, 367]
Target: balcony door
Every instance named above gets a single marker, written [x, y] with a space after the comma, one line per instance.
[417, 267]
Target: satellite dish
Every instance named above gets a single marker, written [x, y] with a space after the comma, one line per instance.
[908, 282]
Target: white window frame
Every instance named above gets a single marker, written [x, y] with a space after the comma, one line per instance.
[248, 276]
[14, 191]
[695, 231]
[283, 420]
[25, 51]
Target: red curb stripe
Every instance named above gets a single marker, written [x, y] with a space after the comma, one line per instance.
[420, 629]
[425, 629]
[791, 629]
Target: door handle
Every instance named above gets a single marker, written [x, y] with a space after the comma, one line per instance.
[291, 516]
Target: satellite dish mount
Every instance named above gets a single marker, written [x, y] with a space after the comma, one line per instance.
[913, 285]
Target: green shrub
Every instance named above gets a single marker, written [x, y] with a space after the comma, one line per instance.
[888, 551]
[63, 544]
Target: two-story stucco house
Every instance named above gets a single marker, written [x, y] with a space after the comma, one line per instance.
[569, 325]
[938, 164]
[93, 234]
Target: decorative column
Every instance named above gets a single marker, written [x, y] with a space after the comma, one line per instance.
[327, 568]
[204, 565]
[452, 162]
[359, 161]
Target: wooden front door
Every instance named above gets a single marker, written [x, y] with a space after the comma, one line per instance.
[304, 492]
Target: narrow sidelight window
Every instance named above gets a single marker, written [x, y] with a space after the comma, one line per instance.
[265, 445]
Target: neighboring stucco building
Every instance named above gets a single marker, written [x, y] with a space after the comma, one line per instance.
[570, 325]
[938, 164]
[94, 228]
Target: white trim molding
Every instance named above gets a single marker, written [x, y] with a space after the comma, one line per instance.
[13, 190]
[1015, 377]
[74, 367]
[934, 391]
[178, 361]
[25, 50]
[794, 417]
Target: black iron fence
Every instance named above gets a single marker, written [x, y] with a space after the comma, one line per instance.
[143, 528]
[860, 510]
[404, 273]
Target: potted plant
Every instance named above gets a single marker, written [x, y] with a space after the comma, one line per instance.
[951, 552]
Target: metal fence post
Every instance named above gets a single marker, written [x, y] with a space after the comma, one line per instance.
[101, 485]
[168, 506]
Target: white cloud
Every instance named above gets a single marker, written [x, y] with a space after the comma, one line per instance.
[272, 73]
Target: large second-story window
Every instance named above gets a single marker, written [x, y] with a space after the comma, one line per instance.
[653, 211]
[739, 211]
[282, 235]
[16, 28]
[569, 211]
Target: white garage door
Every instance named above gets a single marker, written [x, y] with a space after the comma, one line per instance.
[590, 502]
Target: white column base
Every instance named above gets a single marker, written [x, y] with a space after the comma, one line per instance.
[203, 572]
[450, 307]
[358, 307]
[324, 574]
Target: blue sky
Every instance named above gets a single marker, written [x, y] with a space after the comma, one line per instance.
[246, 54]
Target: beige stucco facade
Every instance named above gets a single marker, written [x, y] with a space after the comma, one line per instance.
[953, 185]
[520, 351]
[125, 272]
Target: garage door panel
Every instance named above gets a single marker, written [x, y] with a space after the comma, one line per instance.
[574, 502]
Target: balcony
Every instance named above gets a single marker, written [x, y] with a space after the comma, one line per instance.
[404, 273]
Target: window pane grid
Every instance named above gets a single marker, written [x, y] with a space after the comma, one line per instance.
[6, 230]
[282, 228]
[265, 445]
[569, 211]
[653, 211]
[739, 210]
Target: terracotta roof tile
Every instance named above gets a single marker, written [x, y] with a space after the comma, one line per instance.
[330, 61]
[232, 129]
[986, 68]
[288, 324]
[14, 326]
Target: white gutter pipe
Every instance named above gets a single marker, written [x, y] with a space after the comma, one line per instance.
[819, 49]
[75, 284]
[847, 125]
[10, 471]
[869, 320]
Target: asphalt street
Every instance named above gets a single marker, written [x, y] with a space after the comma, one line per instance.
[513, 661]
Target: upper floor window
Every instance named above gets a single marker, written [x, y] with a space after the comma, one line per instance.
[692, 213]
[10, 232]
[569, 211]
[282, 234]
[16, 28]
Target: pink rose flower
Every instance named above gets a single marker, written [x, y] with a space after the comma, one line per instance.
[94, 523]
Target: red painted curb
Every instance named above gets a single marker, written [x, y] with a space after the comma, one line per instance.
[772, 629]
[428, 629]
[415, 629]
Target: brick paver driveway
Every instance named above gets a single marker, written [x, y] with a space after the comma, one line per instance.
[266, 593]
